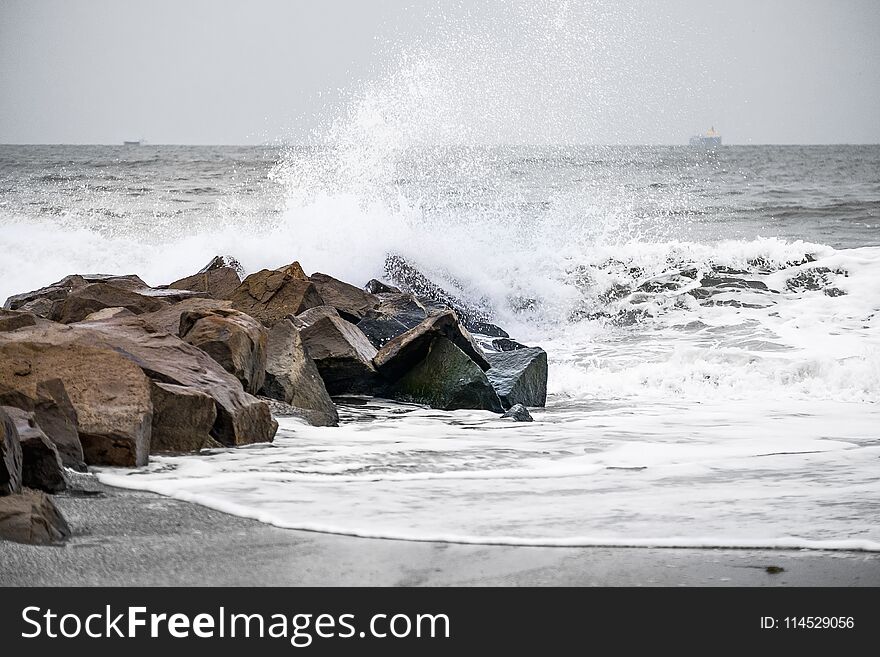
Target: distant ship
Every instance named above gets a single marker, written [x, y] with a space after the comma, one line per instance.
[710, 140]
[138, 142]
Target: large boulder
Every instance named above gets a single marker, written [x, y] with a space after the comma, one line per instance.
[519, 376]
[409, 278]
[41, 466]
[294, 269]
[400, 354]
[351, 302]
[109, 392]
[83, 301]
[11, 320]
[218, 279]
[446, 379]
[396, 314]
[182, 418]
[518, 413]
[235, 340]
[167, 320]
[10, 456]
[292, 377]
[342, 353]
[270, 296]
[375, 286]
[31, 517]
[53, 411]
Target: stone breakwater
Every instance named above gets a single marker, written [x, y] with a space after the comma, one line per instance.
[106, 370]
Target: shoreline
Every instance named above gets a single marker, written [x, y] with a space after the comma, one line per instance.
[124, 537]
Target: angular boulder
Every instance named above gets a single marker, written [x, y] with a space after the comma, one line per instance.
[446, 379]
[109, 392]
[41, 466]
[218, 279]
[235, 340]
[270, 295]
[83, 301]
[402, 353]
[396, 314]
[409, 278]
[375, 286]
[351, 302]
[342, 353]
[53, 411]
[108, 313]
[294, 269]
[519, 376]
[11, 320]
[293, 378]
[182, 418]
[31, 517]
[518, 413]
[10, 456]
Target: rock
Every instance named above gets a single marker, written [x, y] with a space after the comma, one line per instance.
[410, 278]
[293, 378]
[518, 413]
[506, 344]
[41, 466]
[223, 262]
[182, 418]
[108, 313]
[374, 286]
[235, 340]
[342, 353]
[167, 320]
[216, 282]
[351, 302]
[446, 379]
[11, 320]
[269, 296]
[395, 315]
[519, 376]
[294, 269]
[312, 315]
[400, 354]
[31, 517]
[46, 302]
[54, 413]
[83, 301]
[109, 392]
[241, 418]
[10, 456]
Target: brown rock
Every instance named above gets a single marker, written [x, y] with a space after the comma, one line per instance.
[54, 413]
[294, 269]
[351, 302]
[167, 320]
[31, 517]
[109, 393]
[218, 282]
[83, 301]
[402, 353]
[10, 456]
[342, 353]
[292, 377]
[40, 464]
[11, 320]
[46, 301]
[271, 295]
[108, 313]
[182, 419]
[235, 340]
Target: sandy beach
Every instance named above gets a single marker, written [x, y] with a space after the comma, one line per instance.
[131, 538]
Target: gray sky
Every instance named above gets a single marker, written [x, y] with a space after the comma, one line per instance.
[211, 71]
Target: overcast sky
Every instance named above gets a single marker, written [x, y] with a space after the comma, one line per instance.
[220, 72]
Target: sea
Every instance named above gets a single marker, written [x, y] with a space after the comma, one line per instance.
[712, 321]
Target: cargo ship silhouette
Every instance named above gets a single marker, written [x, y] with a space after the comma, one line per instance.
[710, 140]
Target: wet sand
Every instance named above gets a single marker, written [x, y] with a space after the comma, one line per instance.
[126, 537]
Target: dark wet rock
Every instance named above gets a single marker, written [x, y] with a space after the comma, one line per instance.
[235, 340]
[293, 378]
[518, 413]
[109, 392]
[31, 517]
[400, 354]
[411, 279]
[10, 456]
[519, 376]
[814, 279]
[50, 404]
[447, 379]
[215, 282]
[83, 301]
[271, 295]
[182, 418]
[342, 353]
[506, 344]
[351, 302]
[375, 286]
[396, 314]
[11, 320]
[834, 292]
[41, 466]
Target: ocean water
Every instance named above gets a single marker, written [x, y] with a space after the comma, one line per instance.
[712, 321]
